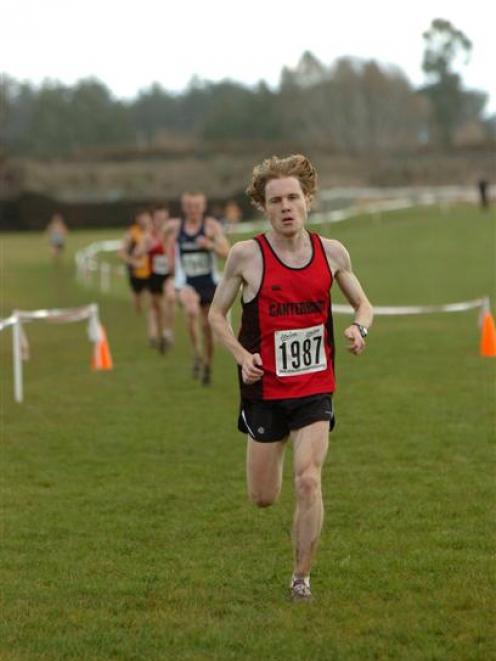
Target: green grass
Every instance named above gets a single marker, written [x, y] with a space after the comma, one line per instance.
[126, 532]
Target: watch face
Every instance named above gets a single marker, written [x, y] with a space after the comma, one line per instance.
[362, 329]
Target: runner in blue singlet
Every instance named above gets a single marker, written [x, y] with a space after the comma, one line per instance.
[199, 241]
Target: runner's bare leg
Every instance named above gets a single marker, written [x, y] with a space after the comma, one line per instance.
[264, 463]
[310, 449]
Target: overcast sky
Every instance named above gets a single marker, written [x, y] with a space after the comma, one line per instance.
[129, 45]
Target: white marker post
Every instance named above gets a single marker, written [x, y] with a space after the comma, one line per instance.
[105, 277]
[17, 356]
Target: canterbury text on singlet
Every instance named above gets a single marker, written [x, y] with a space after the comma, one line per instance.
[289, 323]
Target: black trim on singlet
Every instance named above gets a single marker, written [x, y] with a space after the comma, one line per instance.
[292, 268]
[243, 303]
[330, 333]
[249, 335]
[182, 229]
[330, 320]
[250, 338]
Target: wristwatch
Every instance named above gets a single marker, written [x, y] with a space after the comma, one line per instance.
[363, 329]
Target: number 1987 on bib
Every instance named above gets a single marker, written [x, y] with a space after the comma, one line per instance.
[300, 351]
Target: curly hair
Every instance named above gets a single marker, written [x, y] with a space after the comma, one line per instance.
[296, 165]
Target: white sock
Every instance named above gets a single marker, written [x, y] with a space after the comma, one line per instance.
[305, 579]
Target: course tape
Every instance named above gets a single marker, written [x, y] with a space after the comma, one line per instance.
[391, 310]
[8, 321]
[354, 211]
[58, 315]
[20, 344]
[86, 256]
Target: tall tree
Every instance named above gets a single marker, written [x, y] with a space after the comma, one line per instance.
[444, 46]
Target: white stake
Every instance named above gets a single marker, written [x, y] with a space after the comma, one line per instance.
[17, 356]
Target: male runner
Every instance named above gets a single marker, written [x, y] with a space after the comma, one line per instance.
[138, 266]
[285, 349]
[199, 241]
[57, 234]
[157, 243]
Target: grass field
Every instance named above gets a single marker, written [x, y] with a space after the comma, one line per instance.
[126, 531]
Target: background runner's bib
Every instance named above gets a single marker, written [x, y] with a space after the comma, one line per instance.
[196, 263]
[289, 323]
[159, 264]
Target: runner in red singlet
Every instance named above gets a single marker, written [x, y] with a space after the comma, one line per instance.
[285, 348]
[158, 246]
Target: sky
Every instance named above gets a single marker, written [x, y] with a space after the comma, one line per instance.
[130, 45]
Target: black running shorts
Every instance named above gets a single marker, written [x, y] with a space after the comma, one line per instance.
[138, 284]
[269, 421]
[156, 283]
[206, 293]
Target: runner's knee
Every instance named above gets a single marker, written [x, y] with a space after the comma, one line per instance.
[263, 498]
[190, 303]
[307, 485]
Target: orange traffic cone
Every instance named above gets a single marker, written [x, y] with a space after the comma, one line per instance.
[488, 336]
[102, 358]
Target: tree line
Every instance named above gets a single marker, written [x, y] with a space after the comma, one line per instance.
[352, 106]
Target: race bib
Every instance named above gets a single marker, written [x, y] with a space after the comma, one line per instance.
[160, 266]
[197, 263]
[300, 351]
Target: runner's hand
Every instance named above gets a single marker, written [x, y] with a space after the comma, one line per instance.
[205, 242]
[252, 368]
[356, 343]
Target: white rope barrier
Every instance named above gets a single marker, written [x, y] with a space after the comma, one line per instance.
[354, 211]
[390, 310]
[373, 203]
[9, 321]
[87, 258]
[87, 263]
[20, 346]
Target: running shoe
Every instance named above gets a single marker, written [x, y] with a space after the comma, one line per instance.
[299, 589]
[196, 369]
[206, 378]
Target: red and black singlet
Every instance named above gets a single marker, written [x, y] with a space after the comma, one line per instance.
[158, 259]
[289, 323]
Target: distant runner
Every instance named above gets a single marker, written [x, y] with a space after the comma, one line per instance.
[199, 241]
[139, 266]
[158, 244]
[57, 234]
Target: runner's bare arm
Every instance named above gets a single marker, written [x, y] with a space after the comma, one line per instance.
[225, 295]
[340, 263]
[123, 252]
[173, 225]
[143, 246]
[215, 240]
[170, 249]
